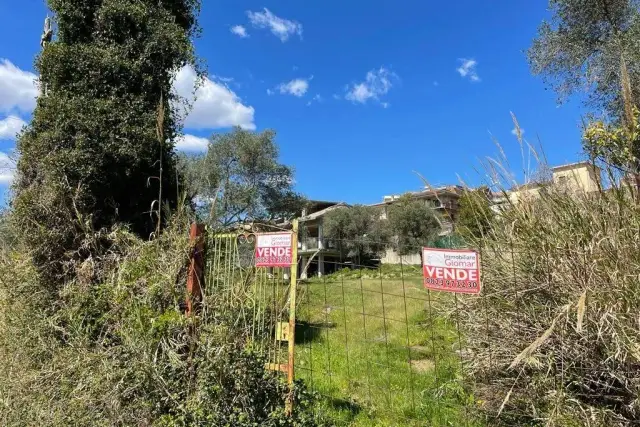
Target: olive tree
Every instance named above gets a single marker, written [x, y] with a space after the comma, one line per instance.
[589, 46]
[413, 224]
[240, 178]
[358, 231]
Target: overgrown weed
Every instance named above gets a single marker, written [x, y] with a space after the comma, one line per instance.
[113, 346]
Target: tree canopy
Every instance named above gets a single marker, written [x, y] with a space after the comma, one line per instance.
[413, 224]
[240, 178]
[358, 232]
[474, 215]
[586, 46]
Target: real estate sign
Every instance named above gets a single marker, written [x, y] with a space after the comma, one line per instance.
[451, 270]
[274, 249]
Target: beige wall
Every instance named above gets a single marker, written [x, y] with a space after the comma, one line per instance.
[523, 194]
[580, 178]
[383, 212]
[392, 257]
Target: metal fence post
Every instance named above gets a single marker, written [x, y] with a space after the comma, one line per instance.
[195, 278]
[292, 315]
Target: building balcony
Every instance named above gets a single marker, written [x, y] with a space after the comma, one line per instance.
[443, 205]
[310, 243]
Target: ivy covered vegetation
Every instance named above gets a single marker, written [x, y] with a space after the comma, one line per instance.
[98, 151]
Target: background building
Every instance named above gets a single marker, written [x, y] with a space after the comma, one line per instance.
[443, 200]
[312, 244]
[573, 177]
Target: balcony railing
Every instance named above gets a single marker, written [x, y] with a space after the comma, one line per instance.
[314, 243]
[310, 243]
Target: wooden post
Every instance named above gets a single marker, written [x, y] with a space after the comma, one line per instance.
[292, 315]
[195, 278]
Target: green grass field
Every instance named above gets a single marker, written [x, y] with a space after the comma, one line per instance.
[378, 354]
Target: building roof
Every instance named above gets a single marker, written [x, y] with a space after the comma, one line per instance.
[453, 190]
[322, 212]
[573, 166]
[322, 202]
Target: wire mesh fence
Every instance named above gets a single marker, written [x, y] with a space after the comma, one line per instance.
[383, 350]
[377, 341]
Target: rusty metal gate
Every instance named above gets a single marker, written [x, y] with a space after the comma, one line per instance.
[261, 301]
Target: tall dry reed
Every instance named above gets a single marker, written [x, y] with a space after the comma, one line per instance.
[555, 338]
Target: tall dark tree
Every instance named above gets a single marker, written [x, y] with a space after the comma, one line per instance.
[475, 215]
[98, 151]
[240, 178]
[590, 45]
[413, 223]
[358, 232]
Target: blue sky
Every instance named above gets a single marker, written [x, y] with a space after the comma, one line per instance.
[361, 93]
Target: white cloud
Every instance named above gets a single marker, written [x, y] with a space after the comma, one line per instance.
[10, 126]
[296, 87]
[514, 131]
[224, 79]
[376, 84]
[7, 168]
[280, 27]
[270, 92]
[316, 98]
[468, 69]
[18, 88]
[239, 31]
[191, 143]
[214, 105]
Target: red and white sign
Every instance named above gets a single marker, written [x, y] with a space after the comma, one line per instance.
[451, 270]
[274, 249]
